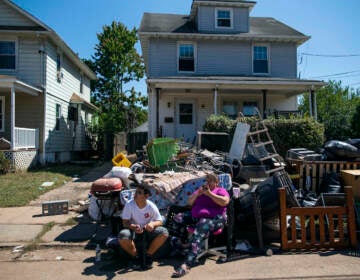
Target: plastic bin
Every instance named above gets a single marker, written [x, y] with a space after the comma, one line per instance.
[160, 150]
[121, 160]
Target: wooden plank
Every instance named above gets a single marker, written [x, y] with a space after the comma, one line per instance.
[303, 229]
[313, 175]
[293, 229]
[322, 230]
[331, 229]
[312, 230]
[341, 229]
[283, 224]
[318, 210]
[351, 216]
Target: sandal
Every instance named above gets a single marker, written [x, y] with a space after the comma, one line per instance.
[181, 271]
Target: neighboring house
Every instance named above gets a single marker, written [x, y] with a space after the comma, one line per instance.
[216, 60]
[44, 91]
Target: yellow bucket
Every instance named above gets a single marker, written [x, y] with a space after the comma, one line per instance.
[121, 160]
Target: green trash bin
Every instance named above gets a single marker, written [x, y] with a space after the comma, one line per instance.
[160, 150]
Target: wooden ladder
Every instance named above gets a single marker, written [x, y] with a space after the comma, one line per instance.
[259, 137]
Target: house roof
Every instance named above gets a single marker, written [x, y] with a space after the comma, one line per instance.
[42, 28]
[171, 23]
[12, 81]
[76, 99]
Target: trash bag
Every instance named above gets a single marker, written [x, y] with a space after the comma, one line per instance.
[330, 184]
[342, 150]
[354, 142]
[268, 195]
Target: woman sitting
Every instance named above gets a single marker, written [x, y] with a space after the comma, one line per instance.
[208, 214]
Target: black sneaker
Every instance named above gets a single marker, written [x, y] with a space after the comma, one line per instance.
[135, 263]
[148, 262]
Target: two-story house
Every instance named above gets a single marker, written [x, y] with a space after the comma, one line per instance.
[216, 60]
[44, 91]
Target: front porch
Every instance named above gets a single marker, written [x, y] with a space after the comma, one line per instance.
[179, 106]
[21, 120]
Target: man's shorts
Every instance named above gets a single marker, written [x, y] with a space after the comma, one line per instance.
[149, 236]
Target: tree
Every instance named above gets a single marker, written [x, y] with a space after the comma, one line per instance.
[355, 122]
[335, 107]
[117, 63]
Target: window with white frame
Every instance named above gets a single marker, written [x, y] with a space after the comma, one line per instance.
[2, 113]
[224, 18]
[58, 116]
[261, 61]
[186, 61]
[7, 55]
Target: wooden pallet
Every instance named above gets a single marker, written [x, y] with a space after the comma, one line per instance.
[322, 227]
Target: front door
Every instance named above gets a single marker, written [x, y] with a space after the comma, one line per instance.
[185, 120]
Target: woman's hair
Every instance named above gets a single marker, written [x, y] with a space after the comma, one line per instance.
[146, 190]
[212, 177]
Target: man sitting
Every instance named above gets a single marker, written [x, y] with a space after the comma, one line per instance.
[142, 219]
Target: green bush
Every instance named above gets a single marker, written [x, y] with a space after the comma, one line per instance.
[285, 133]
[4, 164]
[295, 133]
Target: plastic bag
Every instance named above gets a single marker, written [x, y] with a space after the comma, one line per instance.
[341, 150]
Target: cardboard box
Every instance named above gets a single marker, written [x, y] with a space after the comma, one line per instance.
[352, 178]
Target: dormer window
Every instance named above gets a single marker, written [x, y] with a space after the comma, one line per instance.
[223, 18]
[186, 60]
[260, 60]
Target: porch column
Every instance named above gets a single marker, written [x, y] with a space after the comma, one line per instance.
[264, 94]
[215, 100]
[12, 118]
[157, 113]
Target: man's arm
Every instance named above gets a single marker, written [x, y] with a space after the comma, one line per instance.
[134, 227]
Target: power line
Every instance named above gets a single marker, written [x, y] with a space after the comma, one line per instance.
[330, 55]
[336, 74]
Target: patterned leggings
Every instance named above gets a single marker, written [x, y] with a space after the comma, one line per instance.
[202, 228]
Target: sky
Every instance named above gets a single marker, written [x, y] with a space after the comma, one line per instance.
[333, 52]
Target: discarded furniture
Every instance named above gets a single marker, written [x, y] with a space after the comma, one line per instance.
[311, 173]
[320, 227]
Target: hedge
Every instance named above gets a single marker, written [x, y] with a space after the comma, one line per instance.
[286, 133]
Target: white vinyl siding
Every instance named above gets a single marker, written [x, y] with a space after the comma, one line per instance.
[58, 116]
[2, 113]
[11, 17]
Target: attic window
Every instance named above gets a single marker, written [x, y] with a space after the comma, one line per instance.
[7, 55]
[186, 58]
[224, 18]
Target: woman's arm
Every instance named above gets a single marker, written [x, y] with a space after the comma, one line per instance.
[194, 196]
[218, 199]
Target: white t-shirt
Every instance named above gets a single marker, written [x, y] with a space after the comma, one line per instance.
[136, 215]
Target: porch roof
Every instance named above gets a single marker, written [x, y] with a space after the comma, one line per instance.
[76, 99]
[12, 81]
[236, 83]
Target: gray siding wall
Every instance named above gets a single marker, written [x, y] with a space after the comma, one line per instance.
[60, 93]
[28, 66]
[9, 16]
[206, 20]
[283, 60]
[7, 125]
[220, 58]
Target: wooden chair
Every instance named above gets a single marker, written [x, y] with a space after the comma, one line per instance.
[321, 227]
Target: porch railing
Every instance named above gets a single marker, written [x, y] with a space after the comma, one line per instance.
[26, 138]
